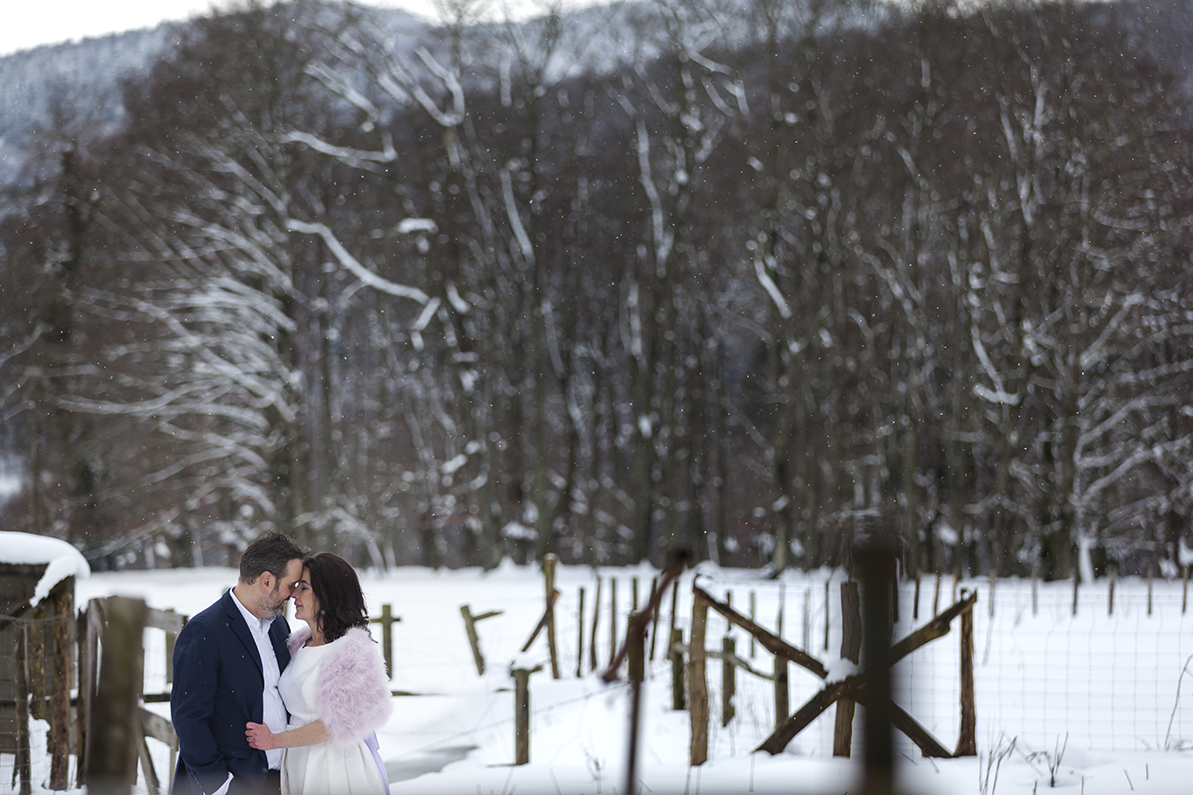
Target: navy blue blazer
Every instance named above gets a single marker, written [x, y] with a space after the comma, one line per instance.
[218, 688]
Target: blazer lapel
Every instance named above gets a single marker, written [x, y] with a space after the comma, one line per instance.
[242, 631]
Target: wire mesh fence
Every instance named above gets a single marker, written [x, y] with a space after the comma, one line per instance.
[1116, 675]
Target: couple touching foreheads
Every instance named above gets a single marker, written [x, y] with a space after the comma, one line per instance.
[257, 709]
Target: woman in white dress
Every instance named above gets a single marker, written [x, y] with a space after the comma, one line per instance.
[335, 689]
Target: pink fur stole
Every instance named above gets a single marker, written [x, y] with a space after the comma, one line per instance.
[352, 695]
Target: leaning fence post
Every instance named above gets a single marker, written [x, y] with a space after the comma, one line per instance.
[473, 640]
[851, 648]
[112, 761]
[967, 742]
[697, 684]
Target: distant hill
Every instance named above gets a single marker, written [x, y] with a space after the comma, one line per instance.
[30, 79]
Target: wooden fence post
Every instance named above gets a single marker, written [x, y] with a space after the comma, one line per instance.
[827, 611]
[698, 684]
[580, 636]
[521, 716]
[654, 621]
[549, 562]
[636, 672]
[851, 648]
[596, 617]
[1110, 598]
[1151, 572]
[1184, 588]
[993, 583]
[116, 718]
[782, 697]
[674, 606]
[915, 608]
[612, 618]
[91, 625]
[676, 656]
[1076, 583]
[728, 679]
[967, 742]
[1035, 588]
[936, 596]
[753, 609]
[59, 668]
[473, 640]
[23, 762]
[386, 621]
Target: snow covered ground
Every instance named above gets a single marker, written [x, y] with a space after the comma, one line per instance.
[1095, 703]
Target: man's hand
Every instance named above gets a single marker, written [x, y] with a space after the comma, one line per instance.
[260, 737]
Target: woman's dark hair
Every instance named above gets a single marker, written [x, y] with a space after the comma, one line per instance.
[341, 602]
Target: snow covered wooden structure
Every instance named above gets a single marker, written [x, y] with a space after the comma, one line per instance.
[37, 643]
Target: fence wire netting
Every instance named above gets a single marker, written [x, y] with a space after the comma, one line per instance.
[1106, 678]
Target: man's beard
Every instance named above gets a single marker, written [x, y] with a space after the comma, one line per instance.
[276, 606]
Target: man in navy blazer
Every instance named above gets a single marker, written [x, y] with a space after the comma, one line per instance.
[227, 661]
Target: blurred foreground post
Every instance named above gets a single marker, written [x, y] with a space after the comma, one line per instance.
[115, 715]
[875, 560]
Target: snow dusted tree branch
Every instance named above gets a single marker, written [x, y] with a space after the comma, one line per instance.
[353, 264]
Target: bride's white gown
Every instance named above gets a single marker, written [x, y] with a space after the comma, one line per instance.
[326, 768]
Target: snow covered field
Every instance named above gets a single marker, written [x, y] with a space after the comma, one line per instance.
[1098, 703]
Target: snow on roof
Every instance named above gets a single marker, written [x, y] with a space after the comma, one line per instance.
[60, 558]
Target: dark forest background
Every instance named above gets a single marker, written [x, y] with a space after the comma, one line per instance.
[743, 277]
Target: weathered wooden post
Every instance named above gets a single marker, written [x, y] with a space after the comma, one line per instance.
[60, 605]
[851, 648]
[1076, 583]
[875, 559]
[612, 618]
[728, 678]
[1110, 597]
[753, 609]
[596, 617]
[1151, 573]
[936, 596]
[674, 606]
[549, 563]
[386, 620]
[827, 611]
[915, 608]
[654, 622]
[116, 717]
[91, 623]
[698, 684]
[967, 744]
[521, 715]
[782, 693]
[473, 639]
[993, 583]
[580, 636]
[676, 655]
[24, 756]
[636, 671]
[1035, 588]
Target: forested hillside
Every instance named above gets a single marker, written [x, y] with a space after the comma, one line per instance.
[743, 278]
